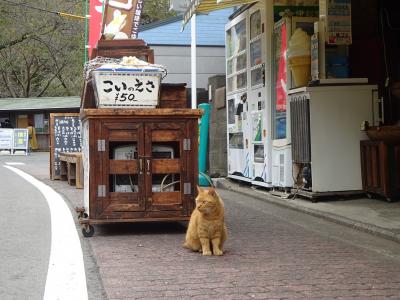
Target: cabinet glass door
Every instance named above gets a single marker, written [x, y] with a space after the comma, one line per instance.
[165, 166]
[123, 167]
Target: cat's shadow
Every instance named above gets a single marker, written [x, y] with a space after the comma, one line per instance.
[140, 228]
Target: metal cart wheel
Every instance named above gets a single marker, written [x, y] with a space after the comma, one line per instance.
[87, 230]
[82, 215]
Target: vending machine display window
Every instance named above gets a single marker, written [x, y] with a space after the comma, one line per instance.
[230, 84]
[241, 80]
[255, 53]
[259, 153]
[229, 67]
[256, 65]
[240, 30]
[236, 57]
[257, 76]
[241, 62]
[257, 127]
[236, 140]
[255, 24]
[231, 111]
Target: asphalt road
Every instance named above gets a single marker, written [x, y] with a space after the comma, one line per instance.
[25, 238]
[26, 234]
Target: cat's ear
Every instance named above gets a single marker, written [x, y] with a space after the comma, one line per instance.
[199, 189]
[212, 192]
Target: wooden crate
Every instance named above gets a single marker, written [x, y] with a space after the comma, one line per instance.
[173, 95]
[128, 189]
[120, 48]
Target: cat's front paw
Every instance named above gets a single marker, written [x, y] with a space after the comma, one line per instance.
[207, 253]
[218, 252]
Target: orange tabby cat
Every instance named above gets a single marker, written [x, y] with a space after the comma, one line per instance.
[206, 225]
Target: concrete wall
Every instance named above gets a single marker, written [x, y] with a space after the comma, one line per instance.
[210, 62]
[218, 145]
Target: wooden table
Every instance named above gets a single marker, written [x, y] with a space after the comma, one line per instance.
[72, 168]
[380, 165]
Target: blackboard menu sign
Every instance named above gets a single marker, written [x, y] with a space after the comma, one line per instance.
[65, 136]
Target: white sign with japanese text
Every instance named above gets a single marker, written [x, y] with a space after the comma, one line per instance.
[6, 138]
[126, 89]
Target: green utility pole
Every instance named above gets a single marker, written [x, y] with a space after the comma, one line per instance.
[85, 48]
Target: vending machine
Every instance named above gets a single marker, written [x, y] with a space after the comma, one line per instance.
[248, 103]
[281, 83]
[238, 122]
[259, 90]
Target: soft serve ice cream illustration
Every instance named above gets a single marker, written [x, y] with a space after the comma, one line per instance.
[113, 29]
[299, 57]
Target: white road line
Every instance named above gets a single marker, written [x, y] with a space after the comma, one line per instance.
[66, 277]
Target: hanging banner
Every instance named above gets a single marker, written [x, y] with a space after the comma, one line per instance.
[281, 80]
[96, 14]
[122, 19]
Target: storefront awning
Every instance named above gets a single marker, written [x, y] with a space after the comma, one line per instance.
[204, 6]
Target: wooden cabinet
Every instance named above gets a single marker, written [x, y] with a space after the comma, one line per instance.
[141, 165]
[380, 166]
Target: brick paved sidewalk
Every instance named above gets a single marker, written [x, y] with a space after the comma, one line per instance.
[266, 258]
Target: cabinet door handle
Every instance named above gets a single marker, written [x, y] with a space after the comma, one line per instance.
[148, 166]
[140, 166]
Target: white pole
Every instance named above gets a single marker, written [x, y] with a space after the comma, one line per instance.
[193, 61]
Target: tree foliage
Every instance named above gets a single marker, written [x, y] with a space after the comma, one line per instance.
[41, 53]
[156, 10]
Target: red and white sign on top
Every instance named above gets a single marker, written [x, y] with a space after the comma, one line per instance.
[122, 19]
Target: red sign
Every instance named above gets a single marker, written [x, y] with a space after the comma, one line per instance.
[281, 79]
[122, 20]
[96, 14]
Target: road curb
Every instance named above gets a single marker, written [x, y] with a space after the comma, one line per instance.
[263, 195]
